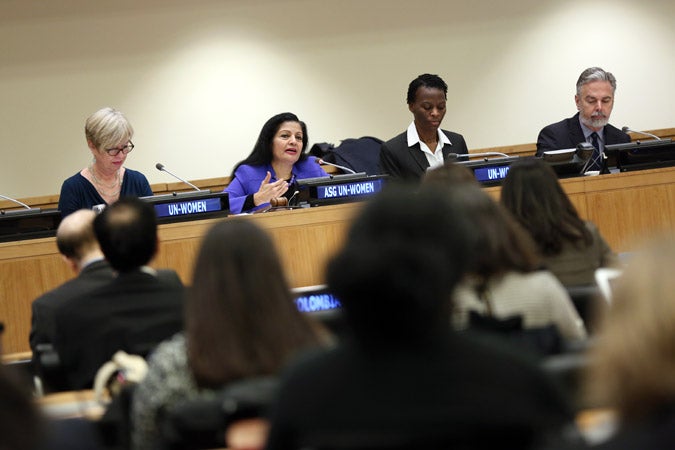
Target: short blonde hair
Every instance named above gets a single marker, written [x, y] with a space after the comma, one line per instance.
[107, 128]
[633, 363]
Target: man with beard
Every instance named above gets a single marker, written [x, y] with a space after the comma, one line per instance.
[595, 100]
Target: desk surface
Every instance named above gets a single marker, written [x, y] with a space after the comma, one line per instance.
[627, 207]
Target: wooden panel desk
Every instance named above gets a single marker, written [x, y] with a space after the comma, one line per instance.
[305, 239]
[627, 207]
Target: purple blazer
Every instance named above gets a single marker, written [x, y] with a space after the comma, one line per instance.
[247, 180]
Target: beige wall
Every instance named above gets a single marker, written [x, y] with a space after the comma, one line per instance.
[198, 78]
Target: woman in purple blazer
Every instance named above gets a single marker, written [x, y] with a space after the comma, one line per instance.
[276, 162]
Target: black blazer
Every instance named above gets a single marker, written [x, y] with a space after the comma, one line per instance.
[568, 134]
[410, 163]
[134, 312]
[44, 308]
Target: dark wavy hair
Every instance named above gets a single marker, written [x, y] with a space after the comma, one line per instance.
[532, 193]
[240, 317]
[262, 151]
[425, 80]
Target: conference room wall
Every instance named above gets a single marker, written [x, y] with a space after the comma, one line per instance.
[197, 79]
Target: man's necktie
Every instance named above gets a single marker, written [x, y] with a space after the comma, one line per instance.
[596, 158]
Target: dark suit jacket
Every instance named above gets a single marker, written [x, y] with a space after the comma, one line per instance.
[410, 163]
[44, 307]
[568, 134]
[134, 312]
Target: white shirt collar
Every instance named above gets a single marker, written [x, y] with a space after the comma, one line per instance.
[414, 137]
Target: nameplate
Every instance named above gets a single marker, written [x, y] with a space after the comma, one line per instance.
[184, 208]
[347, 190]
[317, 302]
[338, 188]
[490, 174]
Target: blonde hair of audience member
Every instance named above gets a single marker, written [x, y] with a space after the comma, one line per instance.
[76, 240]
[633, 361]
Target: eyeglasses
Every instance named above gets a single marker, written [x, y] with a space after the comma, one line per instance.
[116, 151]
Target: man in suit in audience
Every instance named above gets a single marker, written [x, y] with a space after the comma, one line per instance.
[407, 156]
[133, 312]
[594, 100]
[79, 248]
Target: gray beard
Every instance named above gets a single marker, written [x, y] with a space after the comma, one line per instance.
[595, 123]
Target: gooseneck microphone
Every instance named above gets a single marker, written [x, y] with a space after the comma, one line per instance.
[644, 133]
[15, 201]
[27, 209]
[452, 156]
[161, 168]
[346, 169]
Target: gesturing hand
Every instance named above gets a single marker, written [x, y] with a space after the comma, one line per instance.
[268, 190]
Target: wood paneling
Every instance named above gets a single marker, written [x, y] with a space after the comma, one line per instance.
[304, 238]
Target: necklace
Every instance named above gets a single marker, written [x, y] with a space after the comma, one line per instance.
[101, 187]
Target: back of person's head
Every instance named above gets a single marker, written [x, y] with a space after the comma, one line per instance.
[502, 244]
[75, 236]
[633, 360]
[21, 424]
[532, 193]
[404, 254]
[107, 127]
[426, 80]
[240, 317]
[127, 233]
[262, 151]
[449, 175]
[595, 74]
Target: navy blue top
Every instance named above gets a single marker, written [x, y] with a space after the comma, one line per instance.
[78, 193]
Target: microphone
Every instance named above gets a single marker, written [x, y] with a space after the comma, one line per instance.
[452, 156]
[15, 201]
[290, 200]
[346, 169]
[644, 133]
[19, 212]
[161, 168]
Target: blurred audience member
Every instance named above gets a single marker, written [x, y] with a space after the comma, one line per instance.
[79, 248]
[134, 311]
[405, 380]
[633, 363]
[241, 322]
[571, 248]
[448, 175]
[504, 281]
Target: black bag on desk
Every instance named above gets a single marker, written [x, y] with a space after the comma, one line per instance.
[360, 155]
